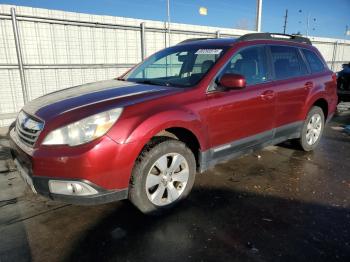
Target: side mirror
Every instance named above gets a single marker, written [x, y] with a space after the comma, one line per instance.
[232, 81]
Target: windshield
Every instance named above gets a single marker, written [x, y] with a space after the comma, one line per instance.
[182, 66]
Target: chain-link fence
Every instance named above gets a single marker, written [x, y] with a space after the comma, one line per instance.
[46, 50]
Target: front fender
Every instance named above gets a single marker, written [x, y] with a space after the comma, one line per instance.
[169, 119]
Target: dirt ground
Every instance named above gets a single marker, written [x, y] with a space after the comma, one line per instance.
[279, 204]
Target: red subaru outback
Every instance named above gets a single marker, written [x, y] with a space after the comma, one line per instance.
[145, 135]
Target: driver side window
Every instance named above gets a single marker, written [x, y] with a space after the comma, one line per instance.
[251, 62]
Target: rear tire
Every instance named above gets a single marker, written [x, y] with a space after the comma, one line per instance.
[312, 129]
[163, 175]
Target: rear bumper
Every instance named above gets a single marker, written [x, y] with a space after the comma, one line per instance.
[104, 165]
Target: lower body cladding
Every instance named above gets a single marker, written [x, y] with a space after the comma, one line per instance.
[94, 173]
[249, 144]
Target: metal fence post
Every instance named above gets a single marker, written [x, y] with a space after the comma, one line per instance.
[335, 47]
[165, 36]
[19, 55]
[217, 34]
[143, 41]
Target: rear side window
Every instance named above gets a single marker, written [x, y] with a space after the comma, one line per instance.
[287, 62]
[314, 61]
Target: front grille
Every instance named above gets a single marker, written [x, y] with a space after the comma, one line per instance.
[28, 128]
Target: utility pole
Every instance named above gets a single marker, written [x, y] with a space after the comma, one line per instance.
[285, 22]
[258, 15]
[168, 18]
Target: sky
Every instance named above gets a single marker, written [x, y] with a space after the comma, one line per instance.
[327, 18]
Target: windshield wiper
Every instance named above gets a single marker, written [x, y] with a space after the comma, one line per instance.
[152, 82]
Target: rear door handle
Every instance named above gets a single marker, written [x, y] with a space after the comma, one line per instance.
[267, 95]
[308, 85]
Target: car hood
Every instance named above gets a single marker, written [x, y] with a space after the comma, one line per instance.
[120, 93]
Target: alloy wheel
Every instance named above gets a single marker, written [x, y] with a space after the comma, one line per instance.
[167, 179]
[314, 128]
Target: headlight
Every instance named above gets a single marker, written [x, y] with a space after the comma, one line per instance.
[84, 130]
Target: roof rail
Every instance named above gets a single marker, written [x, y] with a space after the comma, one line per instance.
[276, 36]
[195, 39]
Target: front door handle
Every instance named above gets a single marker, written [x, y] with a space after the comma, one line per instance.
[267, 95]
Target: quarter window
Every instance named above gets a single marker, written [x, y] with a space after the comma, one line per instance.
[287, 62]
[251, 62]
[314, 61]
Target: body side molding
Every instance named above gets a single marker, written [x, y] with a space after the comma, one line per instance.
[215, 155]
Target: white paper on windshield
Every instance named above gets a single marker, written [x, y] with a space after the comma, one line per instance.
[208, 51]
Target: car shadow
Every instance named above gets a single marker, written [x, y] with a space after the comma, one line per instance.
[221, 225]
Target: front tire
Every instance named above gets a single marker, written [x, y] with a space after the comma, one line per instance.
[312, 130]
[163, 175]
